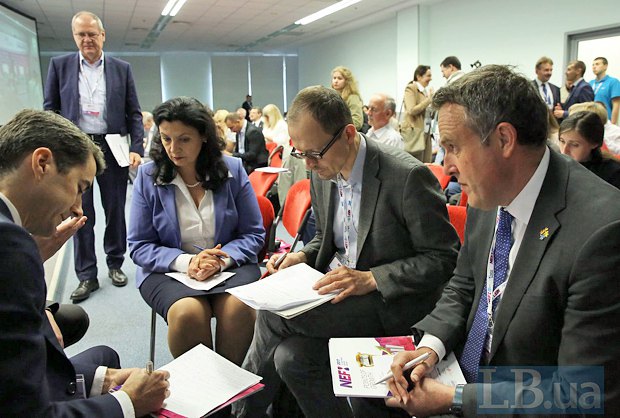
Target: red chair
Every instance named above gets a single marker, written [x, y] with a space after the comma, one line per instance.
[463, 199]
[458, 217]
[262, 182]
[266, 210]
[437, 170]
[270, 146]
[295, 213]
[275, 156]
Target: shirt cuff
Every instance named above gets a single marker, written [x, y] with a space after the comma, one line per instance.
[125, 402]
[181, 263]
[434, 343]
[229, 263]
[97, 387]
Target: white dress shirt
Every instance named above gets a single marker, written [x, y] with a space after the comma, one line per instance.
[387, 135]
[92, 89]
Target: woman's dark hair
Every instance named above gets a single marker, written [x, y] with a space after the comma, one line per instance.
[420, 71]
[588, 125]
[211, 169]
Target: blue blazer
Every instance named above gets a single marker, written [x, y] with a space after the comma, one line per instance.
[38, 380]
[154, 236]
[122, 108]
[581, 92]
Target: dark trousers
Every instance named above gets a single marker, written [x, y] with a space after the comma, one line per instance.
[89, 359]
[113, 187]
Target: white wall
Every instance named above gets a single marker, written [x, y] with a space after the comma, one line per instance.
[370, 53]
[383, 55]
[510, 32]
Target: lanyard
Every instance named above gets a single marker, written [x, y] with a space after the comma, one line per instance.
[598, 85]
[346, 202]
[91, 91]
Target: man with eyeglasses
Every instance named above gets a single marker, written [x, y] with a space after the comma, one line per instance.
[383, 239]
[98, 94]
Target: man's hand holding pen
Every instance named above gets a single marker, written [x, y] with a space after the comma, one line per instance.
[146, 388]
[207, 263]
[282, 261]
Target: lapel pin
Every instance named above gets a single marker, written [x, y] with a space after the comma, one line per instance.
[544, 233]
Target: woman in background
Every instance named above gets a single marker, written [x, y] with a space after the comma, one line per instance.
[193, 211]
[581, 138]
[417, 99]
[223, 131]
[344, 83]
[275, 128]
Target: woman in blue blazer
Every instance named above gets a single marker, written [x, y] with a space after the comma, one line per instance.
[191, 196]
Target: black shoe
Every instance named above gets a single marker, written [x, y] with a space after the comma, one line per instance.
[83, 290]
[119, 278]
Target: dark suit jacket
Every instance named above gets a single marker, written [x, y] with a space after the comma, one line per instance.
[581, 92]
[256, 153]
[122, 107]
[561, 303]
[555, 91]
[37, 379]
[404, 236]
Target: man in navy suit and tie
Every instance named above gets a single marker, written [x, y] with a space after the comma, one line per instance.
[46, 166]
[580, 91]
[550, 93]
[98, 94]
[541, 247]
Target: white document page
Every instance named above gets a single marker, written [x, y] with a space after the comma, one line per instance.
[200, 380]
[285, 289]
[273, 170]
[203, 285]
[119, 146]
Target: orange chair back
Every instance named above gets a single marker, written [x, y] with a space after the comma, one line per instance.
[463, 199]
[458, 217]
[262, 182]
[438, 172]
[266, 210]
[297, 202]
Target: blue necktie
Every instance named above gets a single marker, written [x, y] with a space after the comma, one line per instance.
[472, 351]
[547, 99]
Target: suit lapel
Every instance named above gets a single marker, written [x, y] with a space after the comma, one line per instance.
[220, 200]
[166, 196]
[539, 233]
[370, 190]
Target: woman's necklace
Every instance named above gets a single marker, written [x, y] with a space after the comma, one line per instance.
[193, 185]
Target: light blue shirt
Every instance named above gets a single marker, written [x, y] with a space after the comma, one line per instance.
[605, 90]
[352, 185]
[91, 86]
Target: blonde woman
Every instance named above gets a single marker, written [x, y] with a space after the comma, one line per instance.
[223, 132]
[344, 83]
[275, 128]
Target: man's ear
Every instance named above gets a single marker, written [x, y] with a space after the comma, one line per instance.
[507, 138]
[42, 161]
[351, 133]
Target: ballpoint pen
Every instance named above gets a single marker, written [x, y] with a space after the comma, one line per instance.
[199, 248]
[149, 367]
[407, 366]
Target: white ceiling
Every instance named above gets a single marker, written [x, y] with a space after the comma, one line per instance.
[204, 25]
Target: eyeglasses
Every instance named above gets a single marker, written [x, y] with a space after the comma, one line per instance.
[82, 35]
[317, 155]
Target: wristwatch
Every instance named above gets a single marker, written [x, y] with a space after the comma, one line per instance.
[457, 402]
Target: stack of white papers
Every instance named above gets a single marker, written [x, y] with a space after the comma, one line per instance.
[202, 380]
[287, 293]
[208, 284]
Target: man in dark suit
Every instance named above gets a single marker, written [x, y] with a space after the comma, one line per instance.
[247, 105]
[256, 117]
[46, 164]
[541, 243]
[550, 93]
[580, 91]
[98, 94]
[393, 243]
[250, 145]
